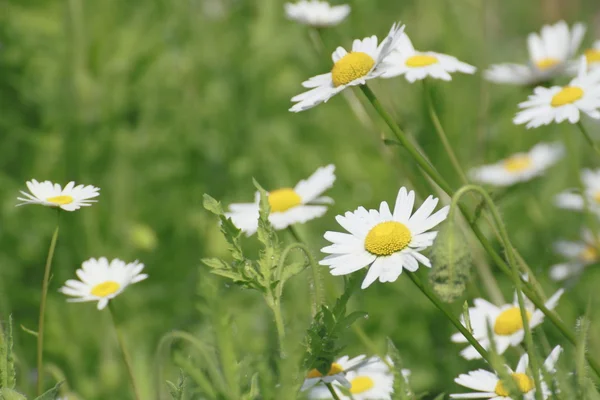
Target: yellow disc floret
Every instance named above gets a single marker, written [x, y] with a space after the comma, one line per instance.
[421, 61]
[509, 321]
[387, 238]
[105, 289]
[335, 369]
[351, 67]
[523, 382]
[568, 95]
[518, 163]
[283, 199]
[60, 200]
[592, 56]
[589, 254]
[361, 384]
[547, 63]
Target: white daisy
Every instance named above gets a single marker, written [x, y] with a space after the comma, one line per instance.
[488, 385]
[288, 206]
[316, 13]
[570, 199]
[385, 241]
[417, 65]
[592, 56]
[353, 68]
[505, 321]
[50, 194]
[578, 254]
[520, 167]
[102, 281]
[337, 372]
[549, 54]
[557, 104]
[370, 381]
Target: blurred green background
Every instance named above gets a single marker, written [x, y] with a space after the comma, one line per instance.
[159, 101]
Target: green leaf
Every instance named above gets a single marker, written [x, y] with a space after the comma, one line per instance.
[451, 260]
[440, 396]
[402, 390]
[10, 394]
[176, 391]
[30, 331]
[269, 255]
[51, 394]
[7, 361]
[228, 229]
[292, 270]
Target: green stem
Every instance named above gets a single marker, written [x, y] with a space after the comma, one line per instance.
[332, 391]
[496, 258]
[438, 303]
[442, 134]
[588, 138]
[126, 356]
[41, 325]
[275, 306]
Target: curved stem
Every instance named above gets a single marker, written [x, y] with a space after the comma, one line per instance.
[41, 325]
[126, 356]
[442, 134]
[332, 391]
[588, 138]
[275, 306]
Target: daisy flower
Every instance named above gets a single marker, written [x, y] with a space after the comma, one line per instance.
[371, 381]
[592, 56]
[337, 372]
[288, 206]
[353, 68]
[417, 65]
[316, 13]
[549, 54]
[69, 198]
[572, 200]
[385, 241]
[102, 281]
[520, 167]
[488, 385]
[557, 104]
[579, 255]
[506, 323]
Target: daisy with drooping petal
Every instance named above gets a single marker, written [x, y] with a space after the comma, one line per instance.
[69, 198]
[488, 385]
[353, 68]
[417, 65]
[520, 167]
[385, 241]
[549, 54]
[572, 200]
[578, 254]
[506, 323]
[102, 281]
[337, 372]
[288, 206]
[558, 104]
[370, 381]
[316, 13]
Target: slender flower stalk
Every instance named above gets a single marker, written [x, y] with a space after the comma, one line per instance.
[332, 391]
[588, 138]
[41, 325]
[126, 356]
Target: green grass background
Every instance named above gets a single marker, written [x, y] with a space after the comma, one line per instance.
[159, 101]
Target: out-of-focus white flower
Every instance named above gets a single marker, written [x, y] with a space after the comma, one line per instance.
[578, 254]
[316, 13]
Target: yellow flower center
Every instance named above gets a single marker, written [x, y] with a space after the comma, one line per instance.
[518, 163]
[509, 321]
[335, 369]
[589, 254]
[524, 383]
[105, 289]
[283, 199]
[592, 56]
[387, 238]
[60, 200]
[597, 197]
[547, 63]
[361, 384]
[351, 67]
[568, 95]
[421, 61]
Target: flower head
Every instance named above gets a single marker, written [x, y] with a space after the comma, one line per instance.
[288, 206]
[353, 68]
[560, 103]
[578, 254]
[572, 200]
[592, 56]
[316, 13]
[69, 198]
[417, 65]
[385, 241]
[102, 281]
[506, 323]
[549, 53]
[488, 385]
[520, 167]
[337, 372]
